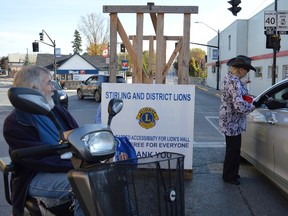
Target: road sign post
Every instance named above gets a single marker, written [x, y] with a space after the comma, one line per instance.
[275, 24]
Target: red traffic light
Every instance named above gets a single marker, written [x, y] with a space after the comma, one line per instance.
[234, 9]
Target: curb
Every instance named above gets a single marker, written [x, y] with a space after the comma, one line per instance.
[213, 91]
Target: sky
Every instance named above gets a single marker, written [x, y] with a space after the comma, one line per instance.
[21, 21]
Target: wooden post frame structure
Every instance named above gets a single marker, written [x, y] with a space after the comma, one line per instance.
[135, 48]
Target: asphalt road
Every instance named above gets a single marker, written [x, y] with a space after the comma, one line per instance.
[205, 193]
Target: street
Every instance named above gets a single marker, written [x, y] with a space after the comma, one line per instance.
[205, 194]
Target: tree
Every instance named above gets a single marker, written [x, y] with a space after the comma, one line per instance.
[199, 56]
[95, 28]
[197, 63]
[27, 60]
[3, 63]
[77, 43]
[145, 64]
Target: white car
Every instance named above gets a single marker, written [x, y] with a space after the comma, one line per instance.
[265, 142]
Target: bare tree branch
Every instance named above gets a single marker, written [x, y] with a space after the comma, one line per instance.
[95, 29]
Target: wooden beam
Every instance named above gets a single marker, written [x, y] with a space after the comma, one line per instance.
[151, 59]
[150, 9]
[139, 46]
[112, 49]
[185, 48]
[160, 48]
[172, 57]
[153, 17]
[148, 37]
[132, 52]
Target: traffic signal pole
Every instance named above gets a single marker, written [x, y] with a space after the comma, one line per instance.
[53, 44]
[54, 47]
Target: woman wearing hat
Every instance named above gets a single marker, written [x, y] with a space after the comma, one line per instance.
[232, 115]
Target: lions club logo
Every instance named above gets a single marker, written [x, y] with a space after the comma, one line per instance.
[147, 117]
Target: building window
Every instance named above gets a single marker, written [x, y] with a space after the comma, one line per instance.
[285, 71]
[270, 68]
[213, 69]
[229, 42]
[210, 53]
[258, 72]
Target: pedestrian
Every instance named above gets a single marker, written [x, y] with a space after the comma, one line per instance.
[45, 177]
[232, 114]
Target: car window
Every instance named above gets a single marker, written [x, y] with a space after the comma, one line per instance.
[56, 85]
[281, 95]
[120, 80]
[103, 79]
[92, 80]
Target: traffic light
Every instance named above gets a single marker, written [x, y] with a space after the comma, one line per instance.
[35, 47]
[122, 48]
[41, 36]
[234, 9]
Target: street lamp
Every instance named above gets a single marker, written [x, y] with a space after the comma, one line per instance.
[218, 49]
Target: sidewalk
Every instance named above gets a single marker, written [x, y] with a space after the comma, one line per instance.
[206, 194]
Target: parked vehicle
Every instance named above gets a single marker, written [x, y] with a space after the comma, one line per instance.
[60, 96]
[265, 143]
[92, 86]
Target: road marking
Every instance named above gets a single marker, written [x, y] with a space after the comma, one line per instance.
[208, 118]
[209, 144]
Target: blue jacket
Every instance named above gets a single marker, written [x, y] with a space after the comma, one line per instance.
[20, 131]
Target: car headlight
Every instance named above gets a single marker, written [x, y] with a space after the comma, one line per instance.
[101, 142]
[62, 97]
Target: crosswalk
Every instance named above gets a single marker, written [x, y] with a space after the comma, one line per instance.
[209, 144]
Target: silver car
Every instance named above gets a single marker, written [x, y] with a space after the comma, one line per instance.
[265, 142]
[92, 86]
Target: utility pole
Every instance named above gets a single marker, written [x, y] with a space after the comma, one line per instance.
[274, 53]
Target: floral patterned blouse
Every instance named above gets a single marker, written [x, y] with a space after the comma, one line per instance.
[233, 109]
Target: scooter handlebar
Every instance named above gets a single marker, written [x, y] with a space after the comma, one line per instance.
[37, 151]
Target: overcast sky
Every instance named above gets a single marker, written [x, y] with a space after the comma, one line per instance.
[21, 21]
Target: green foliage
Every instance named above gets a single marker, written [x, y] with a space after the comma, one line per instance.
[77, 43]
[145, 63]
[197, 64]
[149, 71]
[27, 60]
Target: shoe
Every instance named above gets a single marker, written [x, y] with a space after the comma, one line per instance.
[234, 182]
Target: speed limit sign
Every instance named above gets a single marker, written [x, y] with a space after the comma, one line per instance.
[270, 22]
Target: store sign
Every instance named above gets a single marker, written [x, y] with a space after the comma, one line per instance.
[124, 64]
[105, 52]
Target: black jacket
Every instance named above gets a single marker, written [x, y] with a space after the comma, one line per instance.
[20, 131]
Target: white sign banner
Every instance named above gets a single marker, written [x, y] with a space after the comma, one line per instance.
[155, 117]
